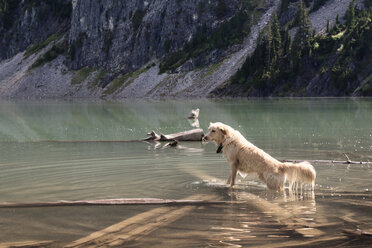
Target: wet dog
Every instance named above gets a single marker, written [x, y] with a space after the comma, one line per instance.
[246, 158]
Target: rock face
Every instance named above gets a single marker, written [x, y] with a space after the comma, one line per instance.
[113, 49]
[124, 35]
[24, 23]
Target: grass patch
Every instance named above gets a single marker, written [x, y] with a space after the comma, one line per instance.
[35, 48]
[123, 80]
[97, 79]
[213, 68]
[339, 35]
[50, 55]
[80, 75]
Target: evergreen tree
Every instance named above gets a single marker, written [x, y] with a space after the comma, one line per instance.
[268, 40]
[286, 42]
[276, 39]
[303, 35]
[296, 53]
[284, 5]
[350, 14]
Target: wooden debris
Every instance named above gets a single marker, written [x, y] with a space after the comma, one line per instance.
[348, 161]
[152, 136]
[191, 135]
[326, 161]
[172, 144]
[118, 201]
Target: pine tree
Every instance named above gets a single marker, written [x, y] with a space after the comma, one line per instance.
[286, 42]
[304, 27]
[276, 38]
[350, 14]
[284, 5]
[296, 53]
[268, 46]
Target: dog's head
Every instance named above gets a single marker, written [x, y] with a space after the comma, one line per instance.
[217, 132]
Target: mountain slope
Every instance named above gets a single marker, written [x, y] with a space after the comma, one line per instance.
[125, 49]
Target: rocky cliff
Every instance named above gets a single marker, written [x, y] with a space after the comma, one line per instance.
[24, 23]
[125, 35]
[121, 49]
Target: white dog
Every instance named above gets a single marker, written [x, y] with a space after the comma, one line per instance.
[244, 157]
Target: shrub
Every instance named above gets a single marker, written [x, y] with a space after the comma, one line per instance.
[49, 55]
[80, 75]
[35, 48]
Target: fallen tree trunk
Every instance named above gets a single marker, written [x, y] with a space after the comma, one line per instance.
[347, 161]
[191, 135]
[326, 161]
[118, 201]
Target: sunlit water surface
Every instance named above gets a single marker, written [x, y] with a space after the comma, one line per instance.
[60, 150]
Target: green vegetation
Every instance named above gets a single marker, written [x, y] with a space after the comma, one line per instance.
[80, 75]
[51, 54]
[97, 79]
[212, 69]
[35, 48]
[228, 33]
[277, 62]
[125, 80]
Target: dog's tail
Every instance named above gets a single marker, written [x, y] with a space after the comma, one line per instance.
[302, 172]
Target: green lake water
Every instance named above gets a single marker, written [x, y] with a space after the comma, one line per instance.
[75, 150]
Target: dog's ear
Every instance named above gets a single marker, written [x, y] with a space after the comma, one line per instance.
[223, 130]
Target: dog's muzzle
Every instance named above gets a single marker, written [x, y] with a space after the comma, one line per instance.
[205, 138]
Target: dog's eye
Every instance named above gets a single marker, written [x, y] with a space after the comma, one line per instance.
[213, 131]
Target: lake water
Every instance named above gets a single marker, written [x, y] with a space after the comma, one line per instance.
[62, 150]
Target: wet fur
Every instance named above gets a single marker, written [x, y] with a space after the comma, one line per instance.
[243, 156]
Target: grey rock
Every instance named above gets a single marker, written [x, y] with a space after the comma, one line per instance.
[30, 23]
[125, 35]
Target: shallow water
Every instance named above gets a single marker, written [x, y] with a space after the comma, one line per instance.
[54, 150]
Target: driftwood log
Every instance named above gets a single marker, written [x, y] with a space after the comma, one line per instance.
[191, 135]
[117, 201]
[347, 161]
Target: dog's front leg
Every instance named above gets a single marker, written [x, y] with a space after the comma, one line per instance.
[234, 171]
[229, 179]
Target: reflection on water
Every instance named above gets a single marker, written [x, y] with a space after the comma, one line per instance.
[40, 160]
